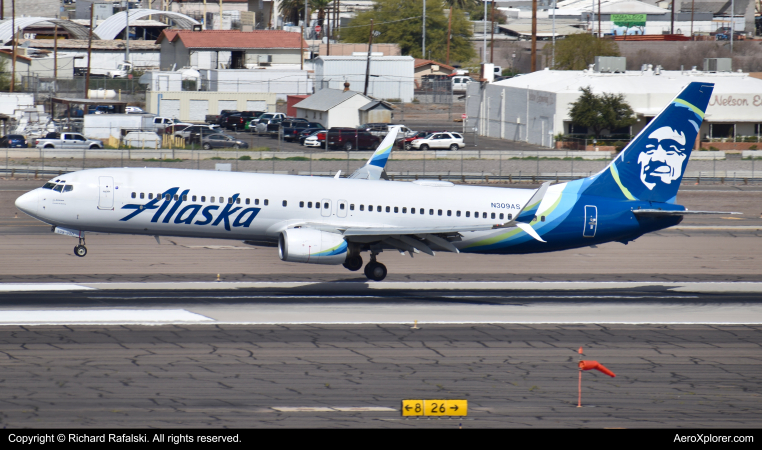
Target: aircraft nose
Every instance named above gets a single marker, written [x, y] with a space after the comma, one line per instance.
[28, 202]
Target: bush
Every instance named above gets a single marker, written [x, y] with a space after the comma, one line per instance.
[753, 147]
[713, 148]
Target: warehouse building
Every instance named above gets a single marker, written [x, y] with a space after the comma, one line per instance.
[535, 107]
[390, 78]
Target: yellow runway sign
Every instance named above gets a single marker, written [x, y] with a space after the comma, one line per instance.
[434, 408]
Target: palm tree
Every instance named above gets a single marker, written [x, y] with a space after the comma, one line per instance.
[463, 4]
[291, 10]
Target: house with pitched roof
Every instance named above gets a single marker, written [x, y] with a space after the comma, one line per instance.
[229, 49]
[333, 107]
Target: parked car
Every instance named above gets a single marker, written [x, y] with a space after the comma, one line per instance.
[450, 140]
[459, 84]
[198, 129]
[13, 141]
[68, 140]
[307, 132]
[382, 129]
[262, 121]
[315, 139]
[134, 110]
[404, 143]
[172, 129]
[293, 128]
[350, 139]
[219, 140]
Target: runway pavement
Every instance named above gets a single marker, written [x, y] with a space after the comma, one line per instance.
[138, 334]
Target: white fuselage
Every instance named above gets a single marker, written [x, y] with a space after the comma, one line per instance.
[263, 205]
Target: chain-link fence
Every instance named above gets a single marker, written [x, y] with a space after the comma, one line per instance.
[43, 88]
[464, 166]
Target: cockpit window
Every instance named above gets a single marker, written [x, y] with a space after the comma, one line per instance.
[48, 185]
[68, 188]
[58, 187]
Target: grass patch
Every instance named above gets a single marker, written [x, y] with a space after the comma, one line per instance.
[163, 160]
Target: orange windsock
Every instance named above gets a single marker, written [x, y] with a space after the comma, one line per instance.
[589, 365]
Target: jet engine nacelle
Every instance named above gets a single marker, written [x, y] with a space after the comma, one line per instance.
[307, 245]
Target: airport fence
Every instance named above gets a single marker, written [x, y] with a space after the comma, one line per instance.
[461, 166]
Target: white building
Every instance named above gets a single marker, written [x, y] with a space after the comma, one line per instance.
[105, 54]
[391, 78]
[333, 108]
[535, 107]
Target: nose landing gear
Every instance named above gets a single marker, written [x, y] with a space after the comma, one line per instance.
[80, 250]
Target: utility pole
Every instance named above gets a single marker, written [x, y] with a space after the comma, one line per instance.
[423, 45]
[55, 52]
[13, 26]
[484, 36]
[449, 37]
[367, 66]
[693, 4]
[301, 48]
[672, 18]
[534, 35]
[600, 32]
[492, 38]
[553, 54]
[89, 54]
[127, 30]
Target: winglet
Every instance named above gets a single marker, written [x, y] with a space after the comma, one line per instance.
[374, 168]
[529, 211]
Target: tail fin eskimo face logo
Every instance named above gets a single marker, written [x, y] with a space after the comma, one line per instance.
[662, 161]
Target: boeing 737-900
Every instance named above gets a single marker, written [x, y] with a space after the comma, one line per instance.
[321, 220]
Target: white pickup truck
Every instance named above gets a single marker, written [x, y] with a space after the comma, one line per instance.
[122, 70]
[68, 140]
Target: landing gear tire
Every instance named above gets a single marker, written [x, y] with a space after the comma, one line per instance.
[80, 250]
[353, 263]
[375, 271]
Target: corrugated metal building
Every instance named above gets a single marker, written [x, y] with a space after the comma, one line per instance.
[391, 77]
[535, 107]
[192, 106]
[282, 82]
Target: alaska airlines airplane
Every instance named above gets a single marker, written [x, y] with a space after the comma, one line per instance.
[319, 220]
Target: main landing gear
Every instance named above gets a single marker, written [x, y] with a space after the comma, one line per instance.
[374, 270]
[80, 250]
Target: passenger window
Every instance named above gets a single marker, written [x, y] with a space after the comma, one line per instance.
[352, 207]
[150, 195]
[501, 216]
[167, 197]
[404, 210]
[542, 218]
[370, 208]
[193, 198]
[457, 213]
[203, 198]
[431, 212]
[238, 201]
[449, 213]
[476, 214]
[185, 197]
[301, 204]
[493, 215]
[484, 215]
[510, 216]
[68, 188]
[325, 206]
[230, 200]
[222, 199]
[378, 208]
[439, 212]
[412, 210]
[309, 204]
[388, 209]
[177, 197]
[142, 195]
[468, 213]
[248, 202]
[267, 202]
[285, 203]
[134, 195]
[362, 207]
[341, 206]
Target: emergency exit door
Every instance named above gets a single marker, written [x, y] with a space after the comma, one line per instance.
[591, 221]
[105, 193]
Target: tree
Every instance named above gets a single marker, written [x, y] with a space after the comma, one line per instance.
[601, 112]
[5, 75]
[578, 51]
[400, 22]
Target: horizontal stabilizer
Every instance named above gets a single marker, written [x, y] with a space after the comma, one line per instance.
[661, 212]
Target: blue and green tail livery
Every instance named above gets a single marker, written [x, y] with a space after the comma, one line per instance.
[651, 167]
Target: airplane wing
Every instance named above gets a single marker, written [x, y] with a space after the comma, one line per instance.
[374, 168]
[430, 238]
[661, 212]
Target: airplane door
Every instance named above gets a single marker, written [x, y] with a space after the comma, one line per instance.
[105, 193]
[342, 209]
[591, 221]
[325, 211]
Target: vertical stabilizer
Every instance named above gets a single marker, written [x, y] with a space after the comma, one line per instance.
[651, 167]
